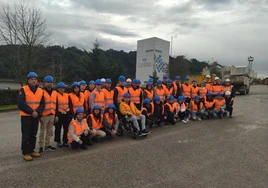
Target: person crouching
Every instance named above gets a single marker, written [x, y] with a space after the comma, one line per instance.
[110, 121]
[158, 110]
[147, 111]
[169, 111]
[219, 105]
[197, 108]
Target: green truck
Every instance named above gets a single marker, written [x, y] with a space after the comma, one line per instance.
[241, 82]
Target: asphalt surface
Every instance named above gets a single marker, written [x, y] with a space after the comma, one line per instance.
[223, 153]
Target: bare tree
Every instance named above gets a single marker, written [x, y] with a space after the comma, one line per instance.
[22, 30]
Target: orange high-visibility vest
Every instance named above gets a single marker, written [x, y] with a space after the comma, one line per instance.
[63, 102]
[50, 103]
[219, 103]
[195, 107]
[99, 99]
[168, 91]
[77, 102]
[86, 95]
[152, 109]
[186, 90]
[96, 124]
[32, 99]
[135, 95]
[176, 107]
[108, 97]
[194, 91]
[150, 94]
[229, 88]
[109, 119]
[160, 92]
[203, 92]
[171, 107]
[217, 88]
[131, 108]
[121, 93]
[209, 104]
[78, 129]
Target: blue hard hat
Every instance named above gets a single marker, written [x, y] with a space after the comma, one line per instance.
[121, 78]
[177, 78]
[209, 94]
[181, 98]
[157, 98]
[150, 80]
[186, 78]
[79, 110]
[197, 97]
[159, 82]
[148, 83]
[98, 82]
[146, 101]
[194, 80]
[97, 107]
[165, 77]
[48, 78]
[139, 81]
[169, 81]
[171, 97]
[75, 84]
[60, 85]
[126, 95]
[219, 94]
[108, 80]
[32, 75]
[82, 82]
[92, 82]
[111, 106]
[203, 82]
[135, 81]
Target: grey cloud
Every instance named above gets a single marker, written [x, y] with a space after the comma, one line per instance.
[114, 30]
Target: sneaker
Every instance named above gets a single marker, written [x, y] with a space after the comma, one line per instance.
[59, 145]
[184, 121]
[49, 148]
[230, 116]
[27, 157]
[145, 132]
[41, 150]
[83, 147]
[66, 145]
[187, 119]
[199, 119]
[35, 154]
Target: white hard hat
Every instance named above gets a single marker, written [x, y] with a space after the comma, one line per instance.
[227, 93]
[103, 80]
[129, 80]
[208, 76]
[217, 78]
[227, 80]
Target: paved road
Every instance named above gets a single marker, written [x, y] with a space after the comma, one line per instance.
[217, 153]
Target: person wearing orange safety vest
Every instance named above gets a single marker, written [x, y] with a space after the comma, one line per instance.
[217, 87]
[229, 87]
[79, 133]
[159, 90]
[77, 99]
[182, 109]
[86, 93]
[194, 89]
[158, 111]
[169, 89]
[170, 110]
[209, 104]
[203, 91]
[119, 92]
[197, 108]
[128, 83]
[31, 104]
[110, 121]
[177, 86]
[63, 115]
[148, 112]
[97, 96]
[165, 79]
[149, 92]
[186, 89]
[48, 116]
[208, 83]
[108, 94]
[219, 105]
[91, 87]
[136, 94]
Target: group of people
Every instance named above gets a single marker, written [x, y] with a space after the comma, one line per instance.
[96, 110]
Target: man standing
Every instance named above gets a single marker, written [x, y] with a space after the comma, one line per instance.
[136, 95]
[31, 103]
[108, 94]
[97, 96]
[48, 115]
[177, 86]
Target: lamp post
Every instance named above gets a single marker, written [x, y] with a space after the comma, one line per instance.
[250, 61]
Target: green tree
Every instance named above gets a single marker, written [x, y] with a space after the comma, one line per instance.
[154, 77]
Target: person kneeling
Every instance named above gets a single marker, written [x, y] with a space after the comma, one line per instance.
[147, 111]
[128, 109]
[219, 105]
[79, 132]
[110, 121]
[158, 110]
[170, 111]
[197, 108]
[182, 109]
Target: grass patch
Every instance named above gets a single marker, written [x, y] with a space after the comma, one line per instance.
[8, 107]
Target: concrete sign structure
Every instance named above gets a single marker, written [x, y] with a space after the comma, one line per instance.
[152, 54]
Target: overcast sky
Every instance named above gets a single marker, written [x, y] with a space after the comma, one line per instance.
[224, 30]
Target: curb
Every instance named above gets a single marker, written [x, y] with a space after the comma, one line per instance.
[9, 110]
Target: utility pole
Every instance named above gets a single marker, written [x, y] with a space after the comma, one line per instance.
[250, 62]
